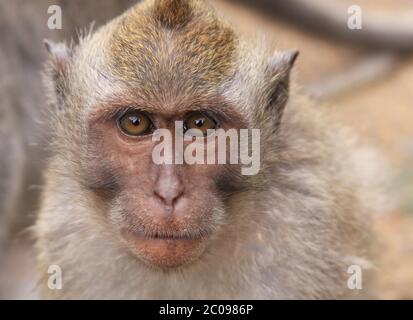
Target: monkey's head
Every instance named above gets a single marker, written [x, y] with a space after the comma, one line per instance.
[161, 62]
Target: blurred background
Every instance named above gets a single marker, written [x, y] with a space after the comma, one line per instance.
[364, 77]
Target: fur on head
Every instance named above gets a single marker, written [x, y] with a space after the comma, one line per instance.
[170, 49]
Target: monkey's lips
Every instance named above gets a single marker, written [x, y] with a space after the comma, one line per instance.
[166, 251]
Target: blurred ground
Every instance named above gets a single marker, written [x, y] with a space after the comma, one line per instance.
[381, 112]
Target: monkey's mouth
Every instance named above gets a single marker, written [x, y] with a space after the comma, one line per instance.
[168, 250]
[194, 235]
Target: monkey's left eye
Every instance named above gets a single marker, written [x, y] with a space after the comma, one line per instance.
[200, 121]
[135, 124]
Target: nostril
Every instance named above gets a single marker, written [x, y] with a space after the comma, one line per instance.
[169, 197]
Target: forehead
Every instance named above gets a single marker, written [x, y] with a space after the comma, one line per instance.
[192, 57]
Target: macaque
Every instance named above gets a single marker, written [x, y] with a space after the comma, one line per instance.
[120, 226]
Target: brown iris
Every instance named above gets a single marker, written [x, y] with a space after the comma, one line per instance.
[135, 124]
[200, 121]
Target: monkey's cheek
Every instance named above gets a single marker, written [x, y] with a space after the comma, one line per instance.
[168, 253]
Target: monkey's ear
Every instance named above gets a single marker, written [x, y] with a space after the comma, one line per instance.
[280, 67]
[60, 57]
[60, 53]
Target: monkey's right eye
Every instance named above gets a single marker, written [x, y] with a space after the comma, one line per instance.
[135, 124]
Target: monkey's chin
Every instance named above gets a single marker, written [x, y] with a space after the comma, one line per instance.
[167, 253]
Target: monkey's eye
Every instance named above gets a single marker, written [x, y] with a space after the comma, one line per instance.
[135, 124]
[200, 121]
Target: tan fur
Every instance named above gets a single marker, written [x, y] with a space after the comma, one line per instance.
[200, 53]
[289, 232]
[172, 13]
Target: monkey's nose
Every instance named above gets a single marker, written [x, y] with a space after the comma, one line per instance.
[168, 196]
[168, 187]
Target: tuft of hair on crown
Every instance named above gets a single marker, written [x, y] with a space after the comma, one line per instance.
[173, 13]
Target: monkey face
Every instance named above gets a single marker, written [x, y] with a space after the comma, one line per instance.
[166, 214]
[143, 73]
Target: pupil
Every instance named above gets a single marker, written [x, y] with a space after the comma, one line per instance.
[199, 122]
[135, 121]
